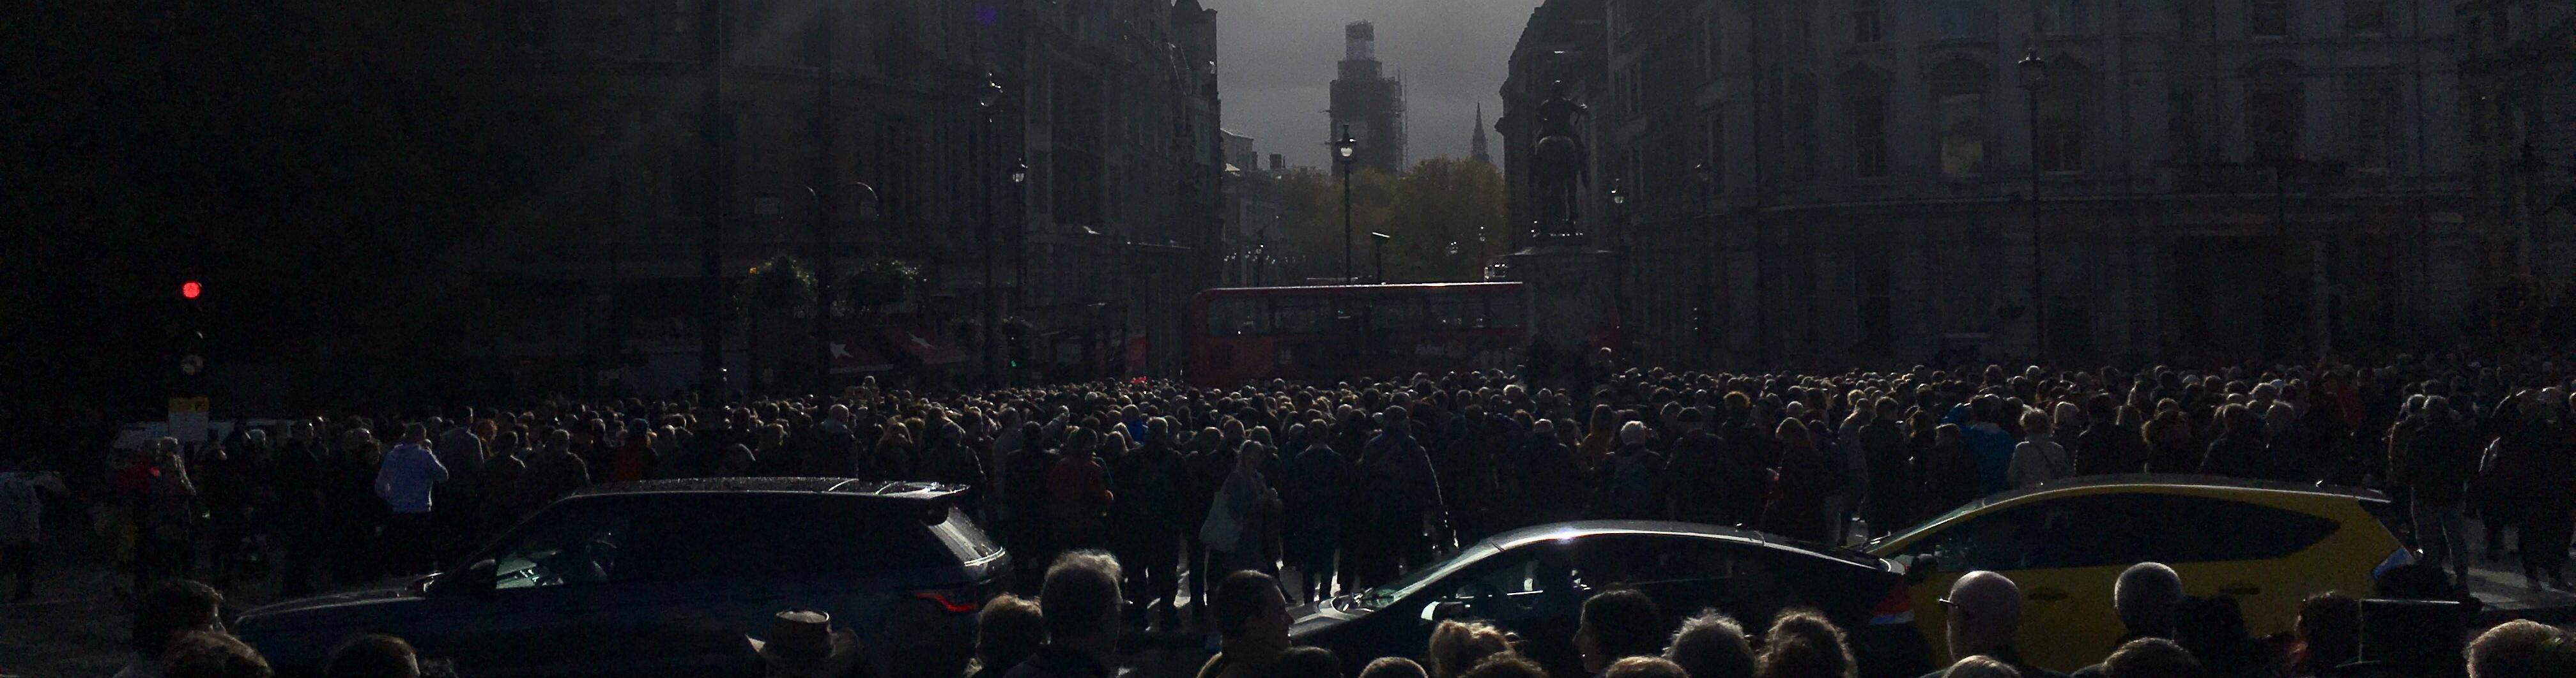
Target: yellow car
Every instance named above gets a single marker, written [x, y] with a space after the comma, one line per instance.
[2267, 544]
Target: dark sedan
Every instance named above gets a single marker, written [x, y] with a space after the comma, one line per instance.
[664, 578]
[1533, 582]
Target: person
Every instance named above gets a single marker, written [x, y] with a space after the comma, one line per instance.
[2328, 633]
[1247, 501]
[1312, 500]
[1646, 667]
[374, 655]
[299, 476]
[1889, 496]
[2521, 649]
[2213, 629]
[2150, 658]
[213, 654]
[2146, 596]
[2426, 456]
[1457, 646]
[1803, 644]
[1629, 483]
[1024, 494]
[1077, 493]
[405, 481]
[2238, 452]
[1981, 666]
[803, 644]
[554, 472]
[1617, 624]
[1798, 509]
[22, 524]
[1147, 482]
[1393, 667]
[1403, 492]
[1989, 447]
[461, 449]
[171, 609]
[1252, 625]
[1080, 601]
[1712, 645]
[1506, 666]
[2038, 459]
[1308, 662]
[1984, 612]
[2536, 445]
[1007, 632]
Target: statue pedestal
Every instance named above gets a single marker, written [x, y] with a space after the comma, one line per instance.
[1568, 287]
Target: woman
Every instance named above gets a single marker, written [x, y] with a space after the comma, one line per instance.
[1798, 506]
[1247, 501]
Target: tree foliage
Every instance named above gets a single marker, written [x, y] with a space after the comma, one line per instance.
[1440, 202]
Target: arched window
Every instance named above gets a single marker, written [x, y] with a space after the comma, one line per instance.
[1865, 91]
[2063, 101]
[2276, 104]
[1959, 92]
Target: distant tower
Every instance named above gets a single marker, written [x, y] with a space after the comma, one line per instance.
[1369, 102]
[1478, 144]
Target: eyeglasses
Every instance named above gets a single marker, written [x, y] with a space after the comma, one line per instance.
[1954, 608]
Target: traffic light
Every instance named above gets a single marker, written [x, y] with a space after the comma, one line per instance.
[190, 289]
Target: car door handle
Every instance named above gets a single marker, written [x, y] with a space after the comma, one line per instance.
[2047, 595]
[2241, 589]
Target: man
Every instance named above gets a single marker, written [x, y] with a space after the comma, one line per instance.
[22, 525]
[1312, 492]
[214, 654]
[1617, 624]
[2147, 597]
[1984, 611]
[2427, 456]
[2521, 649]
[1404, 495]
[1147, 482]
[1694, 462]
[1890, 492]
[2150, 658]
[554, 472]
[170, 610]
[1080, 601]
[299, 474]
[1630, 483]
[1252, 623]
[462, 450]
[405, 481]
[1024, 492]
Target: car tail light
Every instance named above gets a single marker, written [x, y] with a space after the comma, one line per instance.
[961, 601]
[2396, 559]
[1896, 608]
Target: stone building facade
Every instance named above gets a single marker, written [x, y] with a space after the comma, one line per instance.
[1111, 106]
[2518, 75]
[1851, 181]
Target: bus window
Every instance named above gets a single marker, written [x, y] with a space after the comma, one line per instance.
[1458, 312]
[1238, 317]
[1300, 316]
[1399, 314]
[1503, 310]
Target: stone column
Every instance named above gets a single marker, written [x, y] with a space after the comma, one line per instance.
[1569, 285]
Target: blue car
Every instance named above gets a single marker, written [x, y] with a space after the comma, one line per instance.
[664, 578]
[1533, 581]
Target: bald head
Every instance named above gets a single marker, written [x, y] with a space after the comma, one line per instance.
[1984, 612]
[2146, 596]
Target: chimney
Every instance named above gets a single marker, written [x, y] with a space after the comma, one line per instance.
[1278, 162]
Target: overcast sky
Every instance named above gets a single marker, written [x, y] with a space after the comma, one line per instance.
[1277, 59]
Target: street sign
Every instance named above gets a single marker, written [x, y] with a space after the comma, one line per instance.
[188, 419]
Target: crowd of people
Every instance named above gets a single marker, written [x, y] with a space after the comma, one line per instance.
[1336, 487]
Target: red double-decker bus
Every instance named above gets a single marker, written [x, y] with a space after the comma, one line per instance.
[1330, 333]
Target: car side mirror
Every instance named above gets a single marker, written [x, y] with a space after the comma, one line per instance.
[474, 578]
[1444, 611]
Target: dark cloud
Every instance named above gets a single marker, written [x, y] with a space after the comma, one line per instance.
[1278, 58]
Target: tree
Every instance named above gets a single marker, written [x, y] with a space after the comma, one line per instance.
[1440, 202]
[779, 286]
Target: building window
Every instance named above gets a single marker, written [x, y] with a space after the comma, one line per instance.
[1959, 91]
[2369, 109]
[2272, 115]
[2191, 18]
[1801, 142]
[2268, 18]
[1716, 177]
[2183, 128]
[1865, 29]
[1713, 41]
[2059, 17]
[1961, 18]
[2061, 117]
[1876, 307]
[2365, 17]
[1869, 135]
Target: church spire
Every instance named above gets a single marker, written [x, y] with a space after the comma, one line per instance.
[1480, 152]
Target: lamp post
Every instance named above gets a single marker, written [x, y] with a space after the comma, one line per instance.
[989, 99]
[1379, 252]
[1346, 151]
[824, 280]
[1619, 250]
[2034, 75]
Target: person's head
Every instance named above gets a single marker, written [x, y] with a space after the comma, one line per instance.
[2521, 649]
[1632, 433]
[1802, 644]
[1645, 667]
[1981, 666]
[2146, 596]
[1251, 614]
[1506, 666]
[1250, 456]
[1307, 662]
[1984, 610]
[2150, 658]
[1456, 646]
[1615, 624]
[2330, 626]
[212, 654]
[172, 609]
[1394, 667]
[1081, 602]
[1712, 645]
[1008, 630]
[374, 655]
[2035, 422]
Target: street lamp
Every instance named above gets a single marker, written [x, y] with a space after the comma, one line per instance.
[1707, 177]
[2034, 75]
[1346, 151]
[1380, 252]
[989, 99]
[824, 278]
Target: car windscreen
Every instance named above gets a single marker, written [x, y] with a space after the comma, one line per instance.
[1413, 581]
[766, 535]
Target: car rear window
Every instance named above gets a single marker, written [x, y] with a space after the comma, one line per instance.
[759, 535]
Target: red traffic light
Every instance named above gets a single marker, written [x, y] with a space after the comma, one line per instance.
[190, 289]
